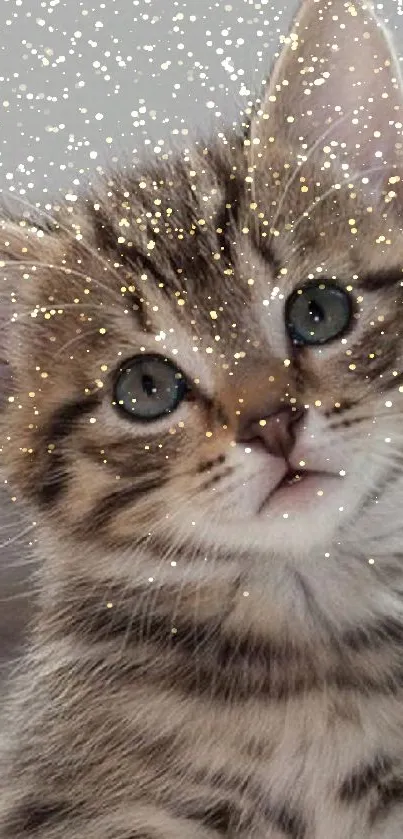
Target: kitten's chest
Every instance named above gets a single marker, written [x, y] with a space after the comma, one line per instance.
[313, 768]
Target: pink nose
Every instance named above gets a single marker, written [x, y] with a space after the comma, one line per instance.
[275, 431]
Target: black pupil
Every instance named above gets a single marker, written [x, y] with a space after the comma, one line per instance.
[148, 384]
[316, 312]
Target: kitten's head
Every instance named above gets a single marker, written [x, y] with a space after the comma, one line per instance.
[201, 331]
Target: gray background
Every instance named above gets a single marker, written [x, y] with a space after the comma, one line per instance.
[83, 83]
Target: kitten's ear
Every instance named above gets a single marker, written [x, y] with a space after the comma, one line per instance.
[336, 86]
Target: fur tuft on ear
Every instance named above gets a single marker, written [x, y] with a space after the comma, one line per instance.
[335, 89]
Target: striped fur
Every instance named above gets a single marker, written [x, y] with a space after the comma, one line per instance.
[204, 664]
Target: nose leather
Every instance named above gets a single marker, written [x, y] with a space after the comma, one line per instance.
[275, 431]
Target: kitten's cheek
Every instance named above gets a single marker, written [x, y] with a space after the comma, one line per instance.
[247, 497]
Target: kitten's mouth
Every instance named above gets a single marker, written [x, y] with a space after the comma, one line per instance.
[299, 488]
[292, 477]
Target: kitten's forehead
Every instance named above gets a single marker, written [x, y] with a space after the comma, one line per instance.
[175, 235]
[199, 257]
[307, 215]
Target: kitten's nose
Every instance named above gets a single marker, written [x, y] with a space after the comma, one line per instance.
[275, 431]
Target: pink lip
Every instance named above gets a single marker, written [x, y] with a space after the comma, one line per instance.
[299, 489]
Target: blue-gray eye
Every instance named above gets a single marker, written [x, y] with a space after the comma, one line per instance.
[317, 313]
[148, 387]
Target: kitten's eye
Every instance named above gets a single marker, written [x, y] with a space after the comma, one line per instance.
[149, 386]
[317, 313]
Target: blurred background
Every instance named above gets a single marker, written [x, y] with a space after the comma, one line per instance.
[85, 83]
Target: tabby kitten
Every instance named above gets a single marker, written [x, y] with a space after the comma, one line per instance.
[206, 418]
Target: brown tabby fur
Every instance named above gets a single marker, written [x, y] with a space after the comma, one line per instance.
[195, 672]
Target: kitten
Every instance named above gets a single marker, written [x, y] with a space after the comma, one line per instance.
[206, 418]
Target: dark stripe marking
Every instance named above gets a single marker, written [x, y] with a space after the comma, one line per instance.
[379, 783]
[105, 509]
[228, 216]
[139, 309]
[390, 794]
[226, 818]
[221, 818]
[375, 635]
[206, 662]
[390, 381]
[382, 279]
[224, 667]
[364, 780]
[229, 818]
[33, 817]
[51, 465]
[288, 821]
[207, 465]
[131, 257]
[344, 405]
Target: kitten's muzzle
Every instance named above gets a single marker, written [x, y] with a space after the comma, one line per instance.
[275, 431]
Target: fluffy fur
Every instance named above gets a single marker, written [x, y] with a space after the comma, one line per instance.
[201, 664]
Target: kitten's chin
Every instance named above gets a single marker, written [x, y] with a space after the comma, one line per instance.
[296, 519]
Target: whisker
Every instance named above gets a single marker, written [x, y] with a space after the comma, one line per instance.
[24, 265]
[91, 251]
[334, 188]
[76, 340]
[20, 535]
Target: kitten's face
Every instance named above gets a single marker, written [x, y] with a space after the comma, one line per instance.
[206, 331]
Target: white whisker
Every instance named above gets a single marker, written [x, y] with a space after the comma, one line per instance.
[334, 188]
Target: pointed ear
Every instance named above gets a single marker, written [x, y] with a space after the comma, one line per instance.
[336, 90]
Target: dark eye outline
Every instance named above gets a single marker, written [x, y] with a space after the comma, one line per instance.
[136, 359]
[299, 341]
